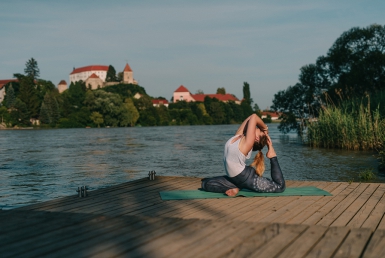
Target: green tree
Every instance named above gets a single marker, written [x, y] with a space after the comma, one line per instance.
[10, 97]
[110, 105]
[97, 118]
[246, 93]
[129, 114]
[20, 114]
[5, 117]
[32, 69]
[143, 103]
[29, 96]
[111, 74]
[216, 111]
[353, 66]
[221, 91]
[290, 103]
[49, 111]
[119, 77]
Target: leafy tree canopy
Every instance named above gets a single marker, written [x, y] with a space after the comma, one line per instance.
[353, 67]
[221, 91]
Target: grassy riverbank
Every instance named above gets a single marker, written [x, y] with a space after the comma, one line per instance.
[353, 125]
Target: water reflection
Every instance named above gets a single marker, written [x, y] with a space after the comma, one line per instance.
[39, 165]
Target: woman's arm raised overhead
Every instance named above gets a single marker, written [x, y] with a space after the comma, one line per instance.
[249, 130]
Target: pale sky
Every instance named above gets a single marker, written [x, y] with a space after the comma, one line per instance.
[202, 45]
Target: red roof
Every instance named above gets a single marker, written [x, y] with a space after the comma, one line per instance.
[62, 82]
[90, 68]
[159, 101]
[221, 97]
[127, 68]
[3, 82]
[94, 76]
[182, 89]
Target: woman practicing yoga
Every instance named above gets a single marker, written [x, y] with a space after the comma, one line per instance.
[252, 135]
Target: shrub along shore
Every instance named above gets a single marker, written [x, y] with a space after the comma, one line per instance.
[353, 125]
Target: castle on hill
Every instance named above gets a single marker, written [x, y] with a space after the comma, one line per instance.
[94, 76]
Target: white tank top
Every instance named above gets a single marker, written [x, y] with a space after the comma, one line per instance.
[233, 158]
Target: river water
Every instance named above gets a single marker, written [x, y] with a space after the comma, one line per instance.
[40, 165]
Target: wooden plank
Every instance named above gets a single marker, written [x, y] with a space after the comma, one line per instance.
[329, 243]
[44, 241]
[179, 238]
[220, 241]
[271, 204]
[74, 196]
[363, 214]
[253, 243]
[82, 202]
[100, 239]
[280, 242]
[376, 246]
[329, 218]
[138, 245]
[354, 244]
[289, 208]
[303, 244]
[354, 207]
[205, 208]
[376, 215]
[131, 196]
[330, 203]
[301, 205]
[317, 205]
[142, 208]
[33, 228]
[200, 237]
[133, 201]
[382, 223]
[94, 193]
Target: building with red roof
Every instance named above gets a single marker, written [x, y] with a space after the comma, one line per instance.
[85, 72]
[272, 114]
[159, 102]
[94, 82]
[183, 94]
[82, 73]
[2, 87]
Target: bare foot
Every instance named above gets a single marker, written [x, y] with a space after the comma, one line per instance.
[271, 152]
[232, 192]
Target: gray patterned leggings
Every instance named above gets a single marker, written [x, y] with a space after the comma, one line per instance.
[248, 179]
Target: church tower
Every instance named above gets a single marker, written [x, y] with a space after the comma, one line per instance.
[128, 76]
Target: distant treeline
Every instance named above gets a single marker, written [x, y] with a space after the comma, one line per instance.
[30, 99]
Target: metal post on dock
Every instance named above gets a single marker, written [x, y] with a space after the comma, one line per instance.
[151, 175]
[82, 191]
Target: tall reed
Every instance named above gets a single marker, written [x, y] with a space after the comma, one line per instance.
[350, 126]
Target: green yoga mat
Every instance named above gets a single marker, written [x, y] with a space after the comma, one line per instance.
[201, 194]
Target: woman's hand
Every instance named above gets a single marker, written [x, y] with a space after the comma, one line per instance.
[270, 152]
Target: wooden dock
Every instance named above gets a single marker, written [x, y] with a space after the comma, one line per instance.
[130, 220]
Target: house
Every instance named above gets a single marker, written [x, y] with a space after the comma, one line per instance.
[2, 87]
[82, 73]
[94, 82]
[159, 102]
[273, 115]
[96, 75]
[183, 94]
[138, 95]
